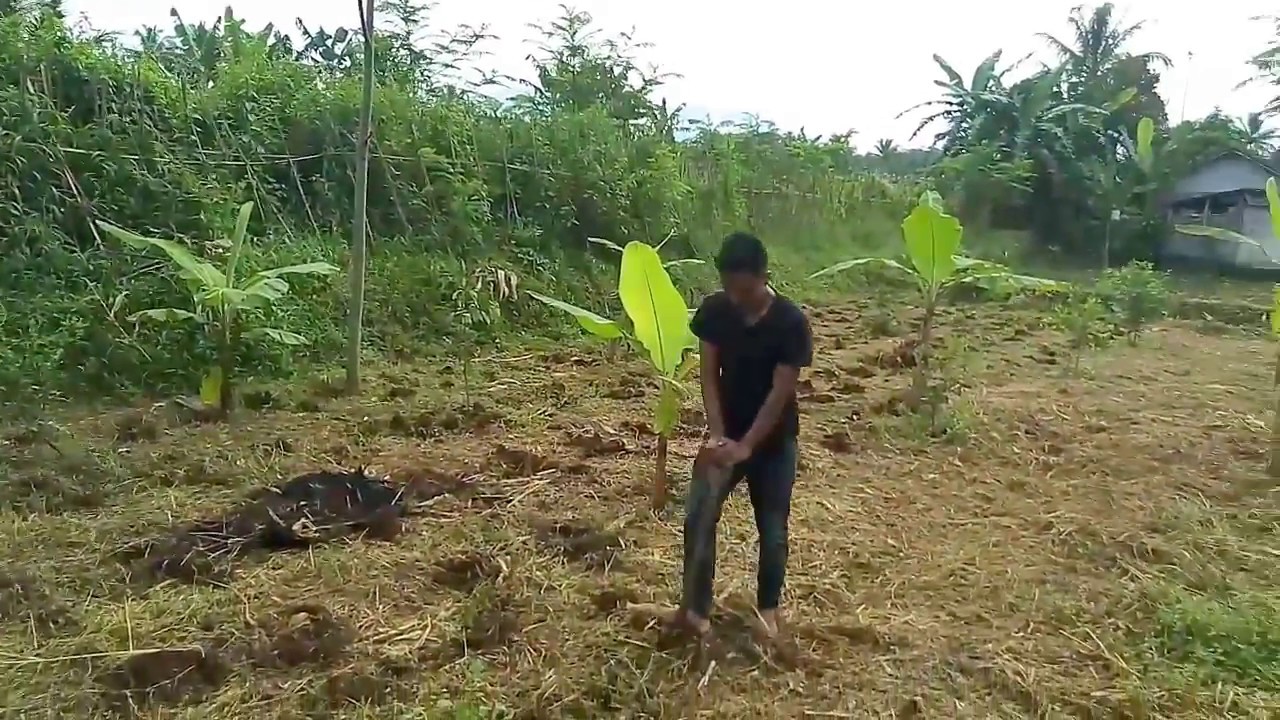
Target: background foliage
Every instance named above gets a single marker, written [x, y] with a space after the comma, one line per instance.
[169, 131]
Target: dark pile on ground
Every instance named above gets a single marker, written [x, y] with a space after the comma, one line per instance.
[313, 508]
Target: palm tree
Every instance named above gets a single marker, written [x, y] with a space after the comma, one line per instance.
[1097, 45]
[963, 105]
[886, 148]
[1254, 134]
[1267, 66]
[1099, 71]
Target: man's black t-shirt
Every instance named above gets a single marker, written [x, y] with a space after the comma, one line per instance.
[748, 356]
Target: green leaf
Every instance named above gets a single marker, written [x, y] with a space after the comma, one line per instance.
[211, 388]
[687, 365]
[659, 315]
[1273, 203]
[224, 298]
[848, 264]
[606, 243]
[312, 268]
[932, 238]
[601, 327]
[933, 199]
[667, 412]
[163, 315]
[1219, 234]
[191, 267]
[237, 241]
[264, 291]
[117, 303]
[968, 264]
[1146, 134]
[1275, 311]
[1030, 282]
[1121, 99]
[284, 337]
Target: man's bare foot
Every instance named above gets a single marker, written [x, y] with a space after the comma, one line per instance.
[689, 621]
[769, 623]
[779, 644]
[694, 622]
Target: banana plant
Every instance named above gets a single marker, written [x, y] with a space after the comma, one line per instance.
[1273, 462]
[932, 239]
[659, 329]
[222, 303]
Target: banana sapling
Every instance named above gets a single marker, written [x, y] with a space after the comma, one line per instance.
[659, 320]
[224, 304]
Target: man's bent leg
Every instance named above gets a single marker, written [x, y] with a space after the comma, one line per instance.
[770, 478]
[707, 493]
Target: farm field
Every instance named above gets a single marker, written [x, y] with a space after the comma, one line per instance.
[1095, 545]
[1034, 531]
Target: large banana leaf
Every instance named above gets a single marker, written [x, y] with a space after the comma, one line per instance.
[1146, 134]
[849, 264]
[1220, 234]
[658, 313]
[601, 327]
[1273, 204]
[237, 241]
[191, 268]
[311, 268]
[932, 238]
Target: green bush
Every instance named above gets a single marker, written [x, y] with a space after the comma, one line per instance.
[170, 139]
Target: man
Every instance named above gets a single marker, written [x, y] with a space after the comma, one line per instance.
[753, 344]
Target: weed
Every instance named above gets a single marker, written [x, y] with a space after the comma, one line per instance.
[1083, 317]
[1231, 638]
[478, 306]
[1138, 293]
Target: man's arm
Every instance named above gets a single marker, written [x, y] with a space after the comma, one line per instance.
[797, 353]
[709, 378]
[705, 326]
[784, 386]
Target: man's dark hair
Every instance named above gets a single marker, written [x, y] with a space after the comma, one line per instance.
[742, 252]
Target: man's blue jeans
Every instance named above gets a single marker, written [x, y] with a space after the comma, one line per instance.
[770, 475]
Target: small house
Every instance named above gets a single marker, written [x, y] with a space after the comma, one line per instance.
[1229, 192]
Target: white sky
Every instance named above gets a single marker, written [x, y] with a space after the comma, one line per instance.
[824, 65]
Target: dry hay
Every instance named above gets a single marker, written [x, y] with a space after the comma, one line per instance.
[1012, 569]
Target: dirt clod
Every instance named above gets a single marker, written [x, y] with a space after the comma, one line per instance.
[24, 598]
[464, 573]
[512, 462]
[167, 676]
[838, 441]
[301, 635]
[579, 542]
[611, 599]
[593, 442]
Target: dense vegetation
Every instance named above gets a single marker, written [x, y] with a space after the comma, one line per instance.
[171, 132]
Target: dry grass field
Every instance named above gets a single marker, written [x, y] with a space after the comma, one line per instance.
[1101, 544]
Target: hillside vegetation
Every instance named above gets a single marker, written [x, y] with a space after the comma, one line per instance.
[170, 132]
[170, 139]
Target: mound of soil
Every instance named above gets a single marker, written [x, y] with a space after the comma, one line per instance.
[164, 677]
[312, 508]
